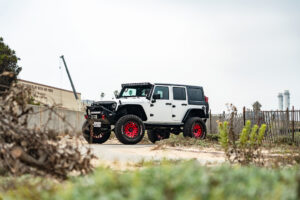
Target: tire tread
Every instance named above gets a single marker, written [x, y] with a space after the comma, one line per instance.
[187, 129]
[118, 129]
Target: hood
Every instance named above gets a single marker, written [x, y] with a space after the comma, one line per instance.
[132, 100]
[103, 103]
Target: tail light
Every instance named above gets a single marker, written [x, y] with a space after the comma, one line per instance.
[85, 116]
[206, 99]
[103, 116]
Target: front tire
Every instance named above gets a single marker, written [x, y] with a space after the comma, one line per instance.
[99, 136]
[195, 127]
[130, 129]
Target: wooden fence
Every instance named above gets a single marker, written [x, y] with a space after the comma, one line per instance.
[212, 123]
[282, 126]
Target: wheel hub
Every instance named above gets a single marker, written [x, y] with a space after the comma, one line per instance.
[131, 129]
[197, 130]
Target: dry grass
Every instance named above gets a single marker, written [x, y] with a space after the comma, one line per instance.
[181, 141]
[143, 141]
[39, 152]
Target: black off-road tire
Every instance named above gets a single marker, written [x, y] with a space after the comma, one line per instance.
[152, 136]
[156, 135]
[98, 138]
[129, 124]
[192, 128]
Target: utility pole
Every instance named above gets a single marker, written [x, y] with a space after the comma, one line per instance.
[74, 91]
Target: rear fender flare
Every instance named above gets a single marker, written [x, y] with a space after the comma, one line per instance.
[194, 112]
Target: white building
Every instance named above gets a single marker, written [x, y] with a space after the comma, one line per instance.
[51, 95]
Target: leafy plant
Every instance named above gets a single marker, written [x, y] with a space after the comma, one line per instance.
[247, 149]
[9, 68]
[184, 180]
[32, 101]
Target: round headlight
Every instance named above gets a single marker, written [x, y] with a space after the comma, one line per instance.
[114, 105]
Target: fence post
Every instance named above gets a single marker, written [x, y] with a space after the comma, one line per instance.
[287, 122]
[210, 126]
[293, 124]
[40, 115]
[244, 115]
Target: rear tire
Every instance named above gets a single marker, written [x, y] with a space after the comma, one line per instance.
[195, 127]
[99, 136]
[130, 129]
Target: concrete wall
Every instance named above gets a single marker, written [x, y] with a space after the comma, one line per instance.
[41, 116]
[51, 95]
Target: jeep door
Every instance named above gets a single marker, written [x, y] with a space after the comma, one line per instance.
[179, 103]
[160, 110]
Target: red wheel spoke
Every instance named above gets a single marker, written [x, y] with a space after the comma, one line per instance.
[131, 129]
[197, 130]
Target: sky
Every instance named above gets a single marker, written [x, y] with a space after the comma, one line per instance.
[239, 51]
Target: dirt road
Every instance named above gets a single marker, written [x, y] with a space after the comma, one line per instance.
[122, 154]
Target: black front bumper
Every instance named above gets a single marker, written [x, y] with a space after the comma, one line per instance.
[98, 113]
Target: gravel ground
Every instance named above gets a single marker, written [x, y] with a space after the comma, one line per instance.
[113, 153]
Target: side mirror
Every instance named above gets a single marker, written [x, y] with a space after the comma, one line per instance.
[154, 97]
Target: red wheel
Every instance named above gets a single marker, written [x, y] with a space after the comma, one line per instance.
[131, 129]
[197, 130]
[194, 127]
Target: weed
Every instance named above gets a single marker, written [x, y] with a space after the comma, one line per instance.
[247, 148]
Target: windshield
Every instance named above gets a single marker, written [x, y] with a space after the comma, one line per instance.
[135, 91]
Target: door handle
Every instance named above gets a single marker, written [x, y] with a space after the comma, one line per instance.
[168, 104]
[184, 104]
[173, 106]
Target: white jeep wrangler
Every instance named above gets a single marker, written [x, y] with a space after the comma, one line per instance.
[160, 109]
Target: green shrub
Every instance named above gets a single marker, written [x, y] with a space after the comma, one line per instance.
[247, 149]
[187, 180]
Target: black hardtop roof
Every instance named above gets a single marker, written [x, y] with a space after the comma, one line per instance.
[149, 84]
[171, 84]
[136, 84]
